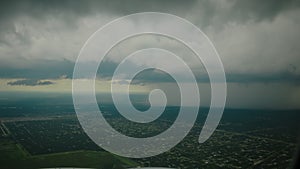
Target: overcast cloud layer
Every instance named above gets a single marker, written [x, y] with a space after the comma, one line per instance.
[258, 41]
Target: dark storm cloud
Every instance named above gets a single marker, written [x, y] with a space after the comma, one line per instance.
[29, 82]
[39, 8]
[219, 13]
[69, 12]
[260, 10]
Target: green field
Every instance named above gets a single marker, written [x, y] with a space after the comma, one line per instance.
[12, 156]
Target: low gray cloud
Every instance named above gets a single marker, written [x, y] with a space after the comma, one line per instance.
[36, 68]
[156, 76]
[30, 82]
[107, 67]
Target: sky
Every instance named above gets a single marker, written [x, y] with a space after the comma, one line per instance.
[258, 43]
